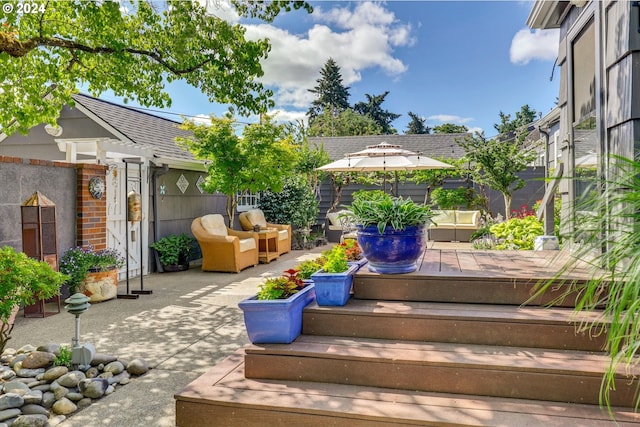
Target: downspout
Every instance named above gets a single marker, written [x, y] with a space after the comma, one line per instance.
[549, 206]
[157, 171]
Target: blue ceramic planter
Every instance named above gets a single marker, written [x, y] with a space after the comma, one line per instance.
[359, 262]
[276, 321]
[394, 251]
[333, 288]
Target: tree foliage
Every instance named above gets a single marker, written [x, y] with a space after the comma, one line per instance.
[417, 125]
[345, 123]
[331, 94]
[450, 128]
[133, 48]
[258, 161]
[497, 163]
[525, 116]
[373, 109]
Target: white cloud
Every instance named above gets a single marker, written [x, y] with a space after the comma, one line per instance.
[363, 37]
[529, 45]
[449, 118]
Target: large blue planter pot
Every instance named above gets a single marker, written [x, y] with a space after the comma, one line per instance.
[276, 321]
[394, 251]
[333, 288]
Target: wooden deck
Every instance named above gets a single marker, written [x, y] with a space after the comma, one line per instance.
[449, 345]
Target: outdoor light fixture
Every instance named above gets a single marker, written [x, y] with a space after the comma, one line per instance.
[53, 130]
[81, 354]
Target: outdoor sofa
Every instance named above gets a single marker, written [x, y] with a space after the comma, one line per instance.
[453, 225]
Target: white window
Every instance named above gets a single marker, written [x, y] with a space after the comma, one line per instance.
[247, 201]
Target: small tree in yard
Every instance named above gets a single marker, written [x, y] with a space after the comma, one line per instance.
[258, 161]
[498, 162]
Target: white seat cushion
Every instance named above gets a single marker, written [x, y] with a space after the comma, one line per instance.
[334, 220]
[247, 244]
[467, 218]
[214, 224]
[256, 217]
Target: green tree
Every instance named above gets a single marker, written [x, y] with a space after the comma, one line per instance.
[434, 178]
[497, 163]
[450, 128]
[417, 125]
[330, 93]
[373, 109]
[133, 48]
[525, 116]
[258, 161]
[345, 123]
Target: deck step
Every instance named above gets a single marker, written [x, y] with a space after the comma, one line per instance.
[455, 323]
[457, 289]
[513, 372]
[224, 397]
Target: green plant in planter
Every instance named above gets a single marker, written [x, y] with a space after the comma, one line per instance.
[78, 261]
[281, 287]
[384, 211]
[336, 260]
[517, 233]
[23, 281]
[174, 249]
[306, 268]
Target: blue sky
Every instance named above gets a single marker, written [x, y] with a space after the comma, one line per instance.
[447, 61]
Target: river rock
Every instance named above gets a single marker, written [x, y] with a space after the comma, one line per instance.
[60, 392]
[29, 373]
[32, 409]
[74, 396]
[9, 413]
[31, 420]
[56, 420]
[93, 387]
[71, 379]
[48, 399]
[114, 367]
[28, 348]
[38, 359]
[138, 367]
[55, 373]
[64, 407]
[34, 396]
[102, 359]
[6, 375]
[16, 387]
[84, 403]
[11, 400]
[50, 348]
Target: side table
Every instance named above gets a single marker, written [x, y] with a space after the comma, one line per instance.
[267, 245]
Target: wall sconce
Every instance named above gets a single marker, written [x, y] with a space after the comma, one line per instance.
[53, 130]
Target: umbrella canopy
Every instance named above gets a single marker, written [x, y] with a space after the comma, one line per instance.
[383, 157]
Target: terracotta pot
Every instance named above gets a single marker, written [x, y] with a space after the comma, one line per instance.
[100, 285]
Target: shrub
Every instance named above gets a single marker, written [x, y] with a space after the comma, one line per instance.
[450, 198]
[296, 204]
[174, 249]
[78, 261]
[517, 233]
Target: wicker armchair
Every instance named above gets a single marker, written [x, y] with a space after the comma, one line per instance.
[255, 217]
[223, 248]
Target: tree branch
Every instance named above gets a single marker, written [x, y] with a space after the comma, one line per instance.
[17, 49]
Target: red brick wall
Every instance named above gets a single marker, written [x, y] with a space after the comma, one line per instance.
[91, 213]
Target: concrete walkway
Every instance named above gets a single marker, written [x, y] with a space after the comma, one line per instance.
[188, 324]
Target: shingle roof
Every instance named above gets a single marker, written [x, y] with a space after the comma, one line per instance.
[435, 145]
[140, 127]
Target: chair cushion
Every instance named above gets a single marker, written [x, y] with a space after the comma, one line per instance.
[256, 217]
[444, 217]
[214, 224]
[247, 244]
[334, 220]
[283, 234]
[466, 217]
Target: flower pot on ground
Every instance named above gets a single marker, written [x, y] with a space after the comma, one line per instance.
[333, 282]
[93, 273]
[174, 252]
[23, 281]
[391, 231]
[274, 314]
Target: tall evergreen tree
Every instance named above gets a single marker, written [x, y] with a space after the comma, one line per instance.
[523, 117]
[331, 94]
[417, 126]
[372, 108]
[450, 128]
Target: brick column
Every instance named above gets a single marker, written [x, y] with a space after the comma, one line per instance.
[91, 214]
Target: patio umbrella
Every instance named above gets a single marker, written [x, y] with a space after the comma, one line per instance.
[382, 158]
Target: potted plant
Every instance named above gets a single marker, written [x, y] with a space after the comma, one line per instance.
[274, 314]
[306, 268]
[333, 282]
[174, 251]
[353, 252]
[23, 281]
[391, 231]
[93, 273]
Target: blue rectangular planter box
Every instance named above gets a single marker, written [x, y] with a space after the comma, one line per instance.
[276, 321]
[361, 262]
[334, 288]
